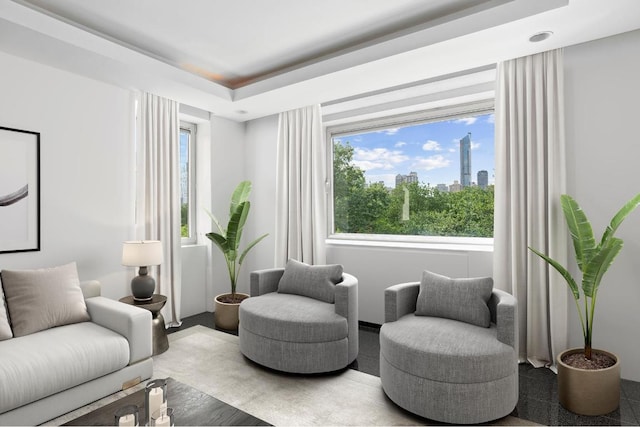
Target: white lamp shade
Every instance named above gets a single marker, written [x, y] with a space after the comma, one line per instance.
[142, 253]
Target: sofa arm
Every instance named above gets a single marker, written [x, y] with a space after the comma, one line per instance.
[400, 300]
[504, 313]
[265, 281]
[134, 323]
[346, 305]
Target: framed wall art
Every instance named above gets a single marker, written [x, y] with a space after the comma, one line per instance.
[19, 190]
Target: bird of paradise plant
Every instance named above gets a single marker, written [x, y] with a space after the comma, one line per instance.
[228, 239]
[593, 259]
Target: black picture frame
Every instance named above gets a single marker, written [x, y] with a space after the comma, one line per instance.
[19, 190]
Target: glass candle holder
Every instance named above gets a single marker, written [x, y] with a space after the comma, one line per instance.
[162, 418]
[155, 397]
[126, 416]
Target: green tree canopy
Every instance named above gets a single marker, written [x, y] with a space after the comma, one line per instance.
[374, 209]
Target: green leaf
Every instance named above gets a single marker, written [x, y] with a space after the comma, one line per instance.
[563, 271]
[236, 224]
[239, 196]
[599, 265]
[219, 240]
[580, 229]
[251, 245]
[619, 217]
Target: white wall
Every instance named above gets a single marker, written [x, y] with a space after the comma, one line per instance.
[602, 93]
[196, 264]
[86, 171]
[227, 170]
[261, 155]
[377, 268]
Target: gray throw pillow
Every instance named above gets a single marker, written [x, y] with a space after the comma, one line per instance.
[458, 299]
[44, 298]
[5, 329]
[314, 281]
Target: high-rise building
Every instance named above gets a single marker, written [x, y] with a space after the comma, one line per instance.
[455, 187]
[444, 188]
[483, 179]
[401, 179]
[465, 161]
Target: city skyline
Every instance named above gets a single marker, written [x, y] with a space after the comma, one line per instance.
[430, 149]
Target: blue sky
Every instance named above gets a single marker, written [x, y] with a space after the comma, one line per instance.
[430, 149]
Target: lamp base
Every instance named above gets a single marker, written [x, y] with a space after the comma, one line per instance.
[142, 286]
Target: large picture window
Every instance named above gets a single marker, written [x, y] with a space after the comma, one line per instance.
[421, 178]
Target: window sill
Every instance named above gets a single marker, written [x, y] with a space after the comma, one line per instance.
[460, 244]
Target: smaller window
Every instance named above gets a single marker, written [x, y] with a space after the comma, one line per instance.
[187, 182]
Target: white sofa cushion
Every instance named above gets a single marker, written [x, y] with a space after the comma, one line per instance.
[38, 365]
[5, 329]
[43, 298]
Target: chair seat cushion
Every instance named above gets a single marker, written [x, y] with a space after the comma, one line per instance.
[292, 318]
[446, 350]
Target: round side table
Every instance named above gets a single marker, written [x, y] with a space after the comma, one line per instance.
[158, 330]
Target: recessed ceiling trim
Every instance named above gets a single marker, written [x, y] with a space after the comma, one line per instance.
[487, 15]
[27, 16]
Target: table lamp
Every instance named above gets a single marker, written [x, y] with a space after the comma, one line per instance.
[142, 253]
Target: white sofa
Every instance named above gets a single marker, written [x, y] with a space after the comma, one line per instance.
[49, 373]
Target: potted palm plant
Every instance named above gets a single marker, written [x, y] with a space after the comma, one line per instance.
[228, 240]
[588, 378]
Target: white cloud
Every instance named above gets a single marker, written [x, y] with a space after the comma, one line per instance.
[367, 165]
[377, 158]
[475, 145]
[391, 131]
[432, 162]
[399, 144]
[431, 146]
[491, 118]
[452, 150]
[467, 120]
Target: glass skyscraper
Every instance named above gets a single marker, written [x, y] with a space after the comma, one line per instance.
[465, 161]
[483, 179]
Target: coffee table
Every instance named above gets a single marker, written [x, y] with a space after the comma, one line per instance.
[191, 408]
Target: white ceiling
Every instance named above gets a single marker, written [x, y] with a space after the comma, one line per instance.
[244, 59]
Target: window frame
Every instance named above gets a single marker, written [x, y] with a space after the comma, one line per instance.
[381, 123]
[191, 220]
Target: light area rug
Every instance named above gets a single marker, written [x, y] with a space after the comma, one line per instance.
[211, 361]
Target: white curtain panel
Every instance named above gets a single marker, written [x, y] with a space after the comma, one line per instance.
[300, 187]
[530, 177]
[158, 201]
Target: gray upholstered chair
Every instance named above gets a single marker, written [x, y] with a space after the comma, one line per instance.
[302, 320]
[462, 371]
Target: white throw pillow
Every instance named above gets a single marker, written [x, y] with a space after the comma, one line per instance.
[5, 329]
[44, 298]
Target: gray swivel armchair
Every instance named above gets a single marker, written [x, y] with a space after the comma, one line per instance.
[302, 319]
[448, 349]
